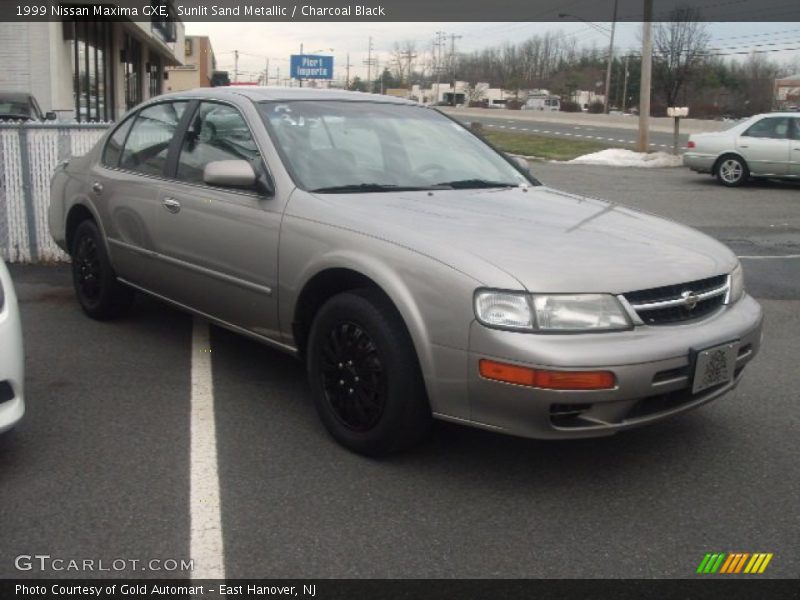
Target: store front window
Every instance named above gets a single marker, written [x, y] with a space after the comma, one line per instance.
[92, 69]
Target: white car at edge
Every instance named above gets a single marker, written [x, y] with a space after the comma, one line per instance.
[12, 358]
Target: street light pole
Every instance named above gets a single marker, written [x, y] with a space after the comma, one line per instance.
[301, 54]
[644, 88]
[610, 60]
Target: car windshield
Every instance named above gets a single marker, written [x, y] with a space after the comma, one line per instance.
[14, 108]
[340, 146]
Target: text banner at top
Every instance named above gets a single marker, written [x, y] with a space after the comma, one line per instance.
[394, 10]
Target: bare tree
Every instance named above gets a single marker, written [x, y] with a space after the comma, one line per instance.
[403, 58]
[680, 45]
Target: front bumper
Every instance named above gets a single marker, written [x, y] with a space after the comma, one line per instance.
[651, 365]
[12, 403]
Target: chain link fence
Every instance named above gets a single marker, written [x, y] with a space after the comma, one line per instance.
[29, 153]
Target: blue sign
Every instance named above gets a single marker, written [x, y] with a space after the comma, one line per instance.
[311, 66]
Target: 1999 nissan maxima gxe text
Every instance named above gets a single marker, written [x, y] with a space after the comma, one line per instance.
[418, 272]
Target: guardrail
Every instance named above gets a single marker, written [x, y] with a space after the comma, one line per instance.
[29, 153]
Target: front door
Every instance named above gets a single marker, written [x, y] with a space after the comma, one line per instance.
[220, 245]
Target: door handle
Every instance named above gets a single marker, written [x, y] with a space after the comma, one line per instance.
[97, 187]
[743, 146]
[171, 205]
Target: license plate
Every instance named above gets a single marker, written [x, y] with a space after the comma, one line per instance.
[714, 366]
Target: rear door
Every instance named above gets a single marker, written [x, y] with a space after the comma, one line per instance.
[219, 245]
[124, 187]
[765, 145]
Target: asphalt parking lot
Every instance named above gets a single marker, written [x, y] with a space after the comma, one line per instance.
[100, 466]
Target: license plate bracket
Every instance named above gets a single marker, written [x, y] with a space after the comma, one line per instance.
[714, 366]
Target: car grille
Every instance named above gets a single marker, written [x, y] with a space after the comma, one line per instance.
[669, 304]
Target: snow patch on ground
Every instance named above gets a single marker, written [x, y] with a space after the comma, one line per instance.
[618, 157]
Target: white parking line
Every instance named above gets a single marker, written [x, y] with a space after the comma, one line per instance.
[206, 523]
[770, 257]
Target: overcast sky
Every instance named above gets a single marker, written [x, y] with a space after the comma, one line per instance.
[256, 41]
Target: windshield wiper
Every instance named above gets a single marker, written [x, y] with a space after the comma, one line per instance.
[356, 188]
[463, 184]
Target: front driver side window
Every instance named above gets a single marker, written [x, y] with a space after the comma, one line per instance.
[148, 142]
[216, 132]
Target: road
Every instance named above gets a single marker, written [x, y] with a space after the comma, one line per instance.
[622, 137]
[100, 467]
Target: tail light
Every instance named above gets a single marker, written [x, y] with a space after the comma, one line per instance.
[690, 144]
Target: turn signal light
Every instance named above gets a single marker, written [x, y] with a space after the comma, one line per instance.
[549, 380]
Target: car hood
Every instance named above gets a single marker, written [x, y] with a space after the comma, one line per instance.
[547, 240]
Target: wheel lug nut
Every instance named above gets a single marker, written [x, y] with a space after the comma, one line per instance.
[341, 382]
[355, 378]
[341, 366]
[349, 363]
[350, 391]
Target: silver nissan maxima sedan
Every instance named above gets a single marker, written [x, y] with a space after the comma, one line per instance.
[416, 270]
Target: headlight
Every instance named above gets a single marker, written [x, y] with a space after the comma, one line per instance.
[737, 284]
[503, 309]
[550, 313]
[579, 312]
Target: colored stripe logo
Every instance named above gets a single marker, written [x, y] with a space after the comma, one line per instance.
[734, 562]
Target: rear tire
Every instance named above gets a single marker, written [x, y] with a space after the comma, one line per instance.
[99, 293]
[732, 171]
[364, 375]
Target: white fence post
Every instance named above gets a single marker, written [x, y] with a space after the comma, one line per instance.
[29, 153]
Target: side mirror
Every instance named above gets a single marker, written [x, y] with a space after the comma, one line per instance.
[230, 173]
[50, 116]
[521, 163]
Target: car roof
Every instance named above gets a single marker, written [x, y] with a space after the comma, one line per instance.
[781, 113]
[276, 93]
[15, 96]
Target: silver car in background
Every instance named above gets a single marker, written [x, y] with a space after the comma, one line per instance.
[12, 358]
[765, 145]
[416, 270]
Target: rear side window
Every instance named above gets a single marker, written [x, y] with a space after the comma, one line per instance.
[146, 148]
[771, 127]
[113, 149]
[795, 129]
[216, 132]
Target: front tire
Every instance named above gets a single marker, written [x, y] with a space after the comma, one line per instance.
[99, 293]
[364, 375]
[732, 171]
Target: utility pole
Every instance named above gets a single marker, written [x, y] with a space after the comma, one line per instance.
[301, 61]
[278, 76]
[347, 81]
[440, 35]
[368, 62]
[235, 66]
[266, 73]
[625, 85]
[610, 59]
[644, 88]
[453, 38]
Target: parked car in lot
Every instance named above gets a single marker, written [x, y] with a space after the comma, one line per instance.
[19, 106]
[765, 145]
[12, 358]
[416, 280]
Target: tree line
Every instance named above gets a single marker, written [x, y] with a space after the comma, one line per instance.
[687, 71]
